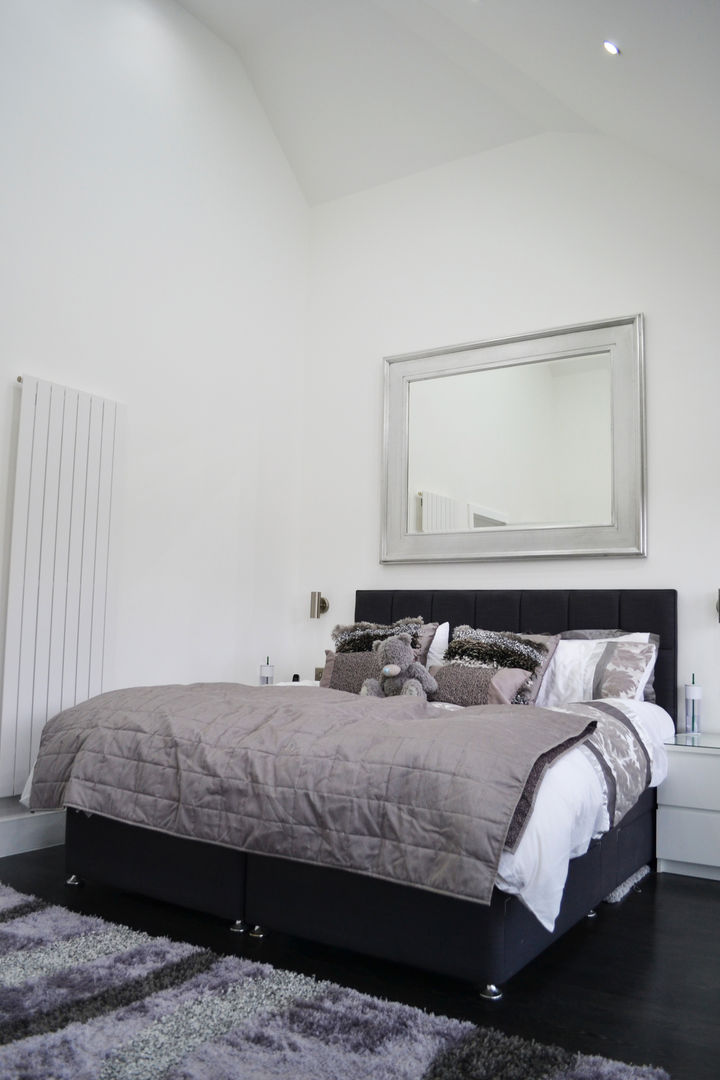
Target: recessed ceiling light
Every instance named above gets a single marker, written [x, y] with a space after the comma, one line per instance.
[611, 47]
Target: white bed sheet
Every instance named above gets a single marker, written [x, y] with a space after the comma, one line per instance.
[571, 809]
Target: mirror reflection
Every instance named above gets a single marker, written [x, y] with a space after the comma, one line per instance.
[502, 447]
[523, 447]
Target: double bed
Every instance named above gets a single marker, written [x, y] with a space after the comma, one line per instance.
[430, 914]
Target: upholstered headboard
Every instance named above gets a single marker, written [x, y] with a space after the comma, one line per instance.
[542, 611]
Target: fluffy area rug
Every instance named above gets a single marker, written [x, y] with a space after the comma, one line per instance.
[84, 999]
[627, 886]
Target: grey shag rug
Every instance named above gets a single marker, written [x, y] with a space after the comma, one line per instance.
[627, 886]
[84, 999]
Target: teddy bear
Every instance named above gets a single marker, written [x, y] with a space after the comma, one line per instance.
[401, 673]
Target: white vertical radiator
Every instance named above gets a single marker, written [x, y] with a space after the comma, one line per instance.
[58, 587]
[440, 513]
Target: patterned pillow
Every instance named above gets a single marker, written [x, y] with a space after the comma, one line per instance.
[465, 684]
[594, 669]
[502, 649]
[359, 636]
[436, 655]
[348, 671]
[590, 635]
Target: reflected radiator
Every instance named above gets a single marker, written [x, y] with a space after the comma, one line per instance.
[58, 587]
[441, 513]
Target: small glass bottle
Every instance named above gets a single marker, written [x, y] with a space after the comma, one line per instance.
[693, 702]
[267, 672]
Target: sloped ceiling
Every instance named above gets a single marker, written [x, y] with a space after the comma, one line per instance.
[361, 92]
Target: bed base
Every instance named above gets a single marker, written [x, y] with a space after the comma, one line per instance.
[483, 944]
[459, 938]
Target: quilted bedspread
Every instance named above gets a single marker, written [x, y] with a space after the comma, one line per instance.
[394, 788]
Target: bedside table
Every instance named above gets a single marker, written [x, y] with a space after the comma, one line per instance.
[688, 816]
[299, 682]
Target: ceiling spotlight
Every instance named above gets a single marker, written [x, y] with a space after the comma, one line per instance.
[611, 47]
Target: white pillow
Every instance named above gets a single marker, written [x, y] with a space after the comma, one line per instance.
[585, 670]
[439, 644]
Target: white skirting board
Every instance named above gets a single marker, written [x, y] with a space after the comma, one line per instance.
[686, 869]
[58, 609]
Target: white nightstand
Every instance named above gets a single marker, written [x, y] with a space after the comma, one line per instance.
[300, 682]
[688, 817]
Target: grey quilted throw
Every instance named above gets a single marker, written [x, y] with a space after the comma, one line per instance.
[394, 788]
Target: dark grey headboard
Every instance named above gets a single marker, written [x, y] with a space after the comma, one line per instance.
[542, 611]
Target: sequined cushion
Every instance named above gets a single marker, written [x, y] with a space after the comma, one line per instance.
[360, 636]
[500, 649]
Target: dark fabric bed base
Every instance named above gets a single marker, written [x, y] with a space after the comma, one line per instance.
[203, 877]
[335, 907]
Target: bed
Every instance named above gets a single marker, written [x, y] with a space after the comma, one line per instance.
[486, 943]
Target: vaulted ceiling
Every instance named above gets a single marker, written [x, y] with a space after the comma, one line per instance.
[361, 92]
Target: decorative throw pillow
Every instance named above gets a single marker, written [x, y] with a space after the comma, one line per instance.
[465, 684]
[436, 654]
[359, 636]
[594, 669]
[502, 649]
[348, 671]
[590, 635]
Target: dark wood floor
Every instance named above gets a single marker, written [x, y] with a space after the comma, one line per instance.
[640, 983]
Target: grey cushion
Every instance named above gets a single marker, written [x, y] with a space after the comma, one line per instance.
[348, 671]
[465, 684]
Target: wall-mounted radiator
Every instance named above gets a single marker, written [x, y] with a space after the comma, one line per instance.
[59, 582]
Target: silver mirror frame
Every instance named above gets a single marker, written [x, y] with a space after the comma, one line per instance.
[623, 340]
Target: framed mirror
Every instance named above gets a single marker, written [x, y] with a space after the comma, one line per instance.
[527, 447]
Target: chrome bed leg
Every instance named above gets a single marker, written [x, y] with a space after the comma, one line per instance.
[491, 992]
[592, 914]
[73, 881]
[238, 927]
[257, 932]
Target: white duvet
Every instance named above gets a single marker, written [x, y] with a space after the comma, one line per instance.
[570, 811]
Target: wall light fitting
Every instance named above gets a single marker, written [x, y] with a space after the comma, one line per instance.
[611, 47]
[318, 605]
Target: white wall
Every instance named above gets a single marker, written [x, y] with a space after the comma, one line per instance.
[154, 250]
[542, 233]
